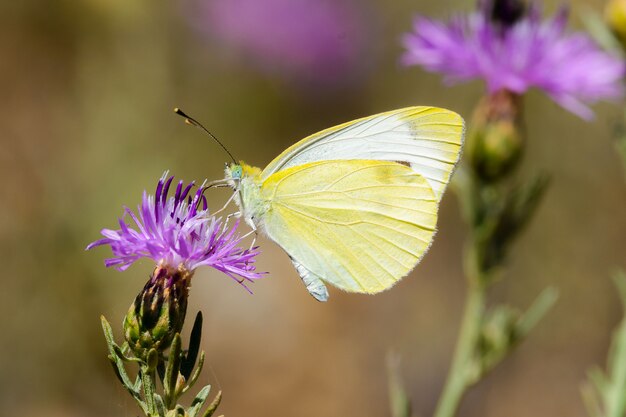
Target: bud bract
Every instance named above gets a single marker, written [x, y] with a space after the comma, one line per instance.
[158, 312]
[495, 141]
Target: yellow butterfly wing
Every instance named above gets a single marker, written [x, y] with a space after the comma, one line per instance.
[428, 139]
[360, 225]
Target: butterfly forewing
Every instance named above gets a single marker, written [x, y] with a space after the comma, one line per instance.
[428, 139]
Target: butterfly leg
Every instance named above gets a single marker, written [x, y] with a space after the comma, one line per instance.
[227, 220]
[253, 238]
[227, 203]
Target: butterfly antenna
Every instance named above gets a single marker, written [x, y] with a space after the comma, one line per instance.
[193, 122]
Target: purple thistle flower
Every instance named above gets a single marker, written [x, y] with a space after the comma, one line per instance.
[178, 232]
[526, 53]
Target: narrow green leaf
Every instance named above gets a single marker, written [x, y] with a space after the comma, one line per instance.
[108, 333]
[118, 365]
[116, 361]
[196, 374]
[149, 387]
[161, 371]
[125, 349]
[539, 308]
[121, 373]
[199, 401]
[120, 354]
[213, 406]
[498, 336]
[117, 372]
[180, 386]
[194, 347]
[138, 382]
[171, 371]
[160, 405]
[152, 360]
[504, 216]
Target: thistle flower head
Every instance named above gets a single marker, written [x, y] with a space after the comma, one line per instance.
[512, 48]
[178, 232]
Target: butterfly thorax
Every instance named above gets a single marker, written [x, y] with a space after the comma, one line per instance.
[246, 181]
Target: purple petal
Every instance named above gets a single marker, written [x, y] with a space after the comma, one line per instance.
[167, 230]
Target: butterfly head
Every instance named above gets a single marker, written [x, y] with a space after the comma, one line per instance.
[235, 173]
[245, 180]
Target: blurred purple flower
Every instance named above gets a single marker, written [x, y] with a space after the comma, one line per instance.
[175, 233]
[527, 52]
[316, 40]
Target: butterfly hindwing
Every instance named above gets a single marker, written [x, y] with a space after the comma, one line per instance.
[313, 283]
[360, 225]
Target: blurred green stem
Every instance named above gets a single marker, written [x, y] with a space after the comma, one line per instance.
[620, 144]
[459, 376]
[603, 393]
[399, 401]
[496, 210]
[615, 400]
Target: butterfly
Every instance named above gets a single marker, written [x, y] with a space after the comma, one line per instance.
[354, 205]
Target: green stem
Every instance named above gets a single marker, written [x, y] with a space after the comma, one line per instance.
[460, 374]
[148, 379]
[614, 398]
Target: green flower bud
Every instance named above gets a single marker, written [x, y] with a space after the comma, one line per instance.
[615, 15]
[158, 312]
[495, 141]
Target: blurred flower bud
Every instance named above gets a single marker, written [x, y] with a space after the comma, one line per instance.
[495, 142]
[615, 15]
[158, 312]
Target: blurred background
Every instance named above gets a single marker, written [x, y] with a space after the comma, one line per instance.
[86, 125]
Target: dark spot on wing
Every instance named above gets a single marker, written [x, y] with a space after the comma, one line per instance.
[405, 163]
